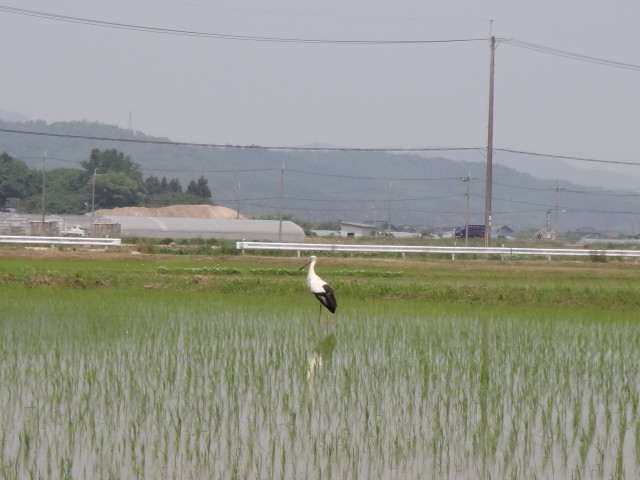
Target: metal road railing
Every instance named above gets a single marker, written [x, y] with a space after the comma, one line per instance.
[503, 251]
[27, 239]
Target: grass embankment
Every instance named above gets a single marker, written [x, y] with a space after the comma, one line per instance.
[476, 283]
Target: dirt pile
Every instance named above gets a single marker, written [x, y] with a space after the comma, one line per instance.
[186, 211]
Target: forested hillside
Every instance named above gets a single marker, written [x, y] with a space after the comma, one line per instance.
[108, 179]
[317, 186]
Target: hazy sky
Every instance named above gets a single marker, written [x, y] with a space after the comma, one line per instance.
[197, 89]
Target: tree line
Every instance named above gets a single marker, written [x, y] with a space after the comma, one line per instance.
[107, 179]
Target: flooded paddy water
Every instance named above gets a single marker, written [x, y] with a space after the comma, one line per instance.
[148, 389]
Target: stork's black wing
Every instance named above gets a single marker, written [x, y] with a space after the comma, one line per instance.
[328, 298]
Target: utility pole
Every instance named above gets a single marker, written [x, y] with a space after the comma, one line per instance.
[389, 207]
[556, 189]
[93, 193]
[467, 180]
[281, 202]
[488, 193]
[238, 200]
[549, 235]
[44, 159]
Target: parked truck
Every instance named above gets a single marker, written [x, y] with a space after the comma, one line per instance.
[474, 231]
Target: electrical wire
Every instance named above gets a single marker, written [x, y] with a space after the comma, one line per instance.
[395, 179]
[219, 36]
[571, 55]
[251, 38]
[340, 200]
[248, 170]
[603, 193]
[239, 147]
[564, 157]
[248, 201]
[318, 149]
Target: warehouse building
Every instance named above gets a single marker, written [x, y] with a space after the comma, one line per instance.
[224, 229]
[154, 227]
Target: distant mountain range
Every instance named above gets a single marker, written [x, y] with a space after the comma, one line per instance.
[360, 186]
[12, 116]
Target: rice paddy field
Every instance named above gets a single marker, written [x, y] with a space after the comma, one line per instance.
[152, 367]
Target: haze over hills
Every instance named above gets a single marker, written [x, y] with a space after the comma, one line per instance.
[12, 116]
[600, 174]
[361, 186]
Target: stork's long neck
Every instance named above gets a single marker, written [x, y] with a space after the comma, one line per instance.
[312, 271]
[311, 276]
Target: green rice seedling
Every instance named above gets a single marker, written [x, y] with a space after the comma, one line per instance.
[180, 380]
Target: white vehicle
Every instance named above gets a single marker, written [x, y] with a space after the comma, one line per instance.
[74, 231]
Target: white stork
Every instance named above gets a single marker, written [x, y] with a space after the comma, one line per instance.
[321, 289]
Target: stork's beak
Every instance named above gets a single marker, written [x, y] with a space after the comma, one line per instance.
[303, 266]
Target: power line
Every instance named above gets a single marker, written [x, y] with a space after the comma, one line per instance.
[521, 187]
[299, 40]
[339, 200]
[605, 193]
[239, 147]
[565, 157]
[62, 160]
[247, 170]
[313, 149]
[602, 193]
[219, 36]
[369, 178]
[543, 208]
[571, 55]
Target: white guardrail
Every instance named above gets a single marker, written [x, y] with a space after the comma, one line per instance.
[504, 251]
[27, 239]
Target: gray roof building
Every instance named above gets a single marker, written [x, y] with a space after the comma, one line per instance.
[353, 229]
[225, 229]
[165, 227]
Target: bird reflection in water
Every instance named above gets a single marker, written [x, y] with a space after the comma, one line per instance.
[320, 356]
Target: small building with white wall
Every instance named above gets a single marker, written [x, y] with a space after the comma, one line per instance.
[352, 229]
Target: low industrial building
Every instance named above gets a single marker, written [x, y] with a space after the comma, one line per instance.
[155, 227]
[352, 229]
[224, 229]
